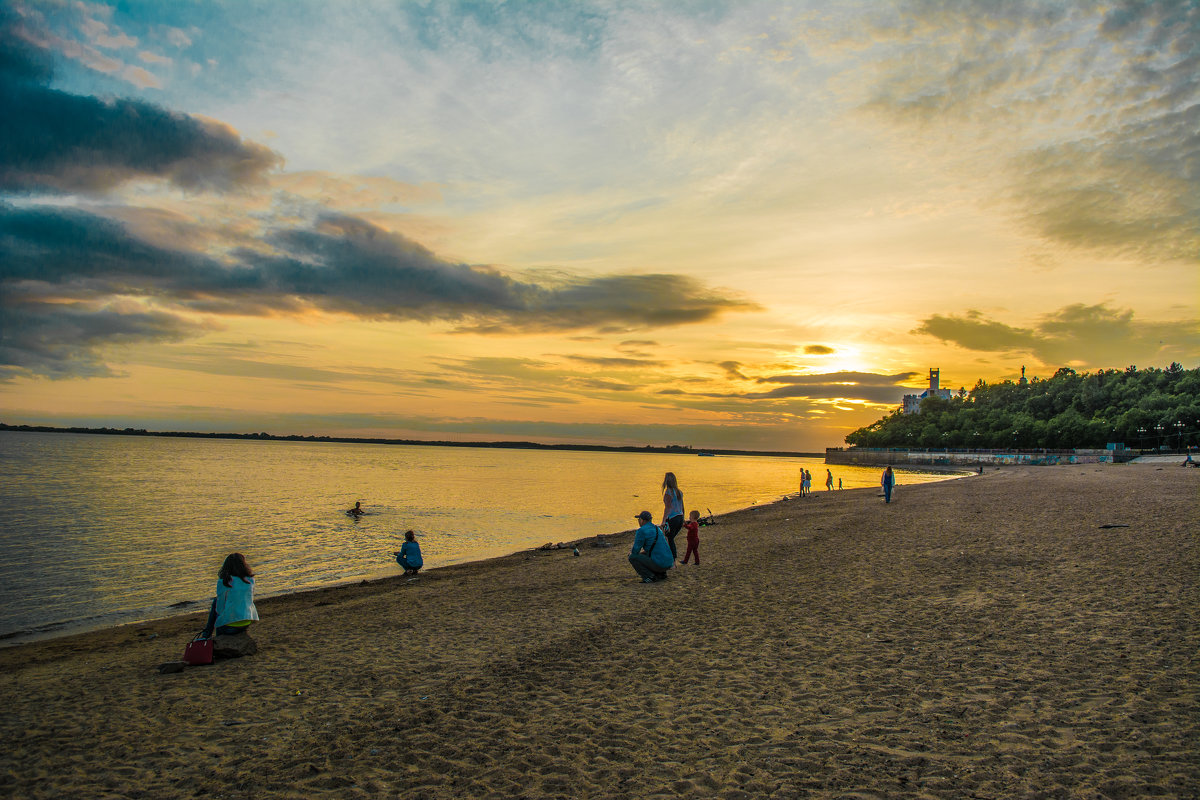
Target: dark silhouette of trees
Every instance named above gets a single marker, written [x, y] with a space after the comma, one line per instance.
[1147, 409]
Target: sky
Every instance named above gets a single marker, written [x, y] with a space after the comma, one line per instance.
[740, 224]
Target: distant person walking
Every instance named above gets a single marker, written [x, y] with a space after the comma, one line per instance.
[693, 537]
[672, 509]
[651, 557]
[888, 482]
[829, 480]
[232, 609]
[409, 555]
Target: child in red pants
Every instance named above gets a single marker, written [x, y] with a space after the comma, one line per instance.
[692, 526]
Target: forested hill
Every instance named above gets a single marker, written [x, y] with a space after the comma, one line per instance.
[1142, 408]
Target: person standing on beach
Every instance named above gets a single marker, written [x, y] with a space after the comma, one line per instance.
[888, 482]
[672, 510]
[651, 557]
[693, 536]
[829, 480]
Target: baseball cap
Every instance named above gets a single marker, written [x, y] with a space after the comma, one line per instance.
[644, 515]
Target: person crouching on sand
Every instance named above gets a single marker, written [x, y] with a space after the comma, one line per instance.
[651, 556]
[409, 555]
[692, 526]
[233, 608]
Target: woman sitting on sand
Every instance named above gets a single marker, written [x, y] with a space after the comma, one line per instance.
[409, 555]
[233, 608]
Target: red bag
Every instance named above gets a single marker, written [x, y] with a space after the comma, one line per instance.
[198, 652]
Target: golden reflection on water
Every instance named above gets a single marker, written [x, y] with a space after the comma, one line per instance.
[106, 529]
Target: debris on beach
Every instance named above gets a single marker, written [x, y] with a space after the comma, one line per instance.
[1113, 525]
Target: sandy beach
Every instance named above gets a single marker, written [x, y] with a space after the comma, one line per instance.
[1025, 633]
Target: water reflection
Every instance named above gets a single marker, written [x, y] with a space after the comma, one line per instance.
[116, 528]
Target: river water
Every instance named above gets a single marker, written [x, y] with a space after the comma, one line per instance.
[101, 530]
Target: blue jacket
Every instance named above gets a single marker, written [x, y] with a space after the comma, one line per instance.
[650, 537]
[235, 603]
[411, 551]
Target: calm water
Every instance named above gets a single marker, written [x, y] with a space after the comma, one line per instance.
[101, 530]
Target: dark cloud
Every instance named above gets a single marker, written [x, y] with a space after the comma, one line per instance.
[818, 350]
[59, 340]
[843, 379]
[56, 141]
[603, 384]
[864, 387]
[1085, 335]
[617, 362]
[733, 369]
[879, 395]
[974, 332]
[336, 265]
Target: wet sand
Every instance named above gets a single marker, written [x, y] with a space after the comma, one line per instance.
[983, 637]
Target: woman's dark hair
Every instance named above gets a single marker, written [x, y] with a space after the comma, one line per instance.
[235, 566]
[672, 485]
[409, 536]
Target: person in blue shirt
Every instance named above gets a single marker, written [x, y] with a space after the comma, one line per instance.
[651, 556]
[232, 610]
[888, 482]
[409, 555]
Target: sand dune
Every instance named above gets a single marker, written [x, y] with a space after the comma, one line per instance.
[981, 637]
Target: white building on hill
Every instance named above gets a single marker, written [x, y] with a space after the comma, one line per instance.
[912, 402]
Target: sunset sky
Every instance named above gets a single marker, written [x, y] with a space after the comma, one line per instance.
[719, 224]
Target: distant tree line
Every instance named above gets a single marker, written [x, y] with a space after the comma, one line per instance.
[678, 449]
[1147, 409]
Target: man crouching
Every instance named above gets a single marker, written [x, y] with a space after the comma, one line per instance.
[651, 555]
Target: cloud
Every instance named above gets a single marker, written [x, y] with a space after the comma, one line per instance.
[864, 387]
[733, 369]
[842, 379]
[974, 332]
[617, 362]
[335, 265]
[61, 340]
[57, 141]
[1111, 86]
[1078, 335]
[818, 350]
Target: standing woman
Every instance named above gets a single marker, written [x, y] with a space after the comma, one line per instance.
[888, 482]
[233, 608]
[672, 509]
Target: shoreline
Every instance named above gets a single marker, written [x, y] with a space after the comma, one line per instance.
[57, 630]
[1029, 632]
